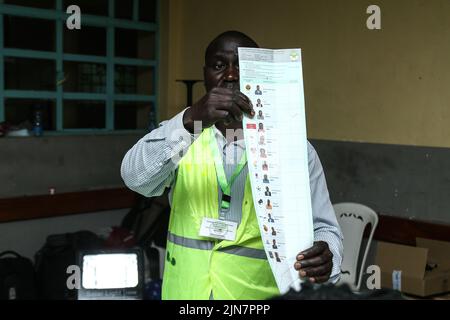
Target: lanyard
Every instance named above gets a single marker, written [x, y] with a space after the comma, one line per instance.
[224, 185]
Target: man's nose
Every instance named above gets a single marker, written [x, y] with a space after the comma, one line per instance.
[232, 73]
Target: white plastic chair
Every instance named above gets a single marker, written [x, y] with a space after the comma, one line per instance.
[353, 219]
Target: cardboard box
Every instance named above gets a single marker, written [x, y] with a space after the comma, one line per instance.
[422, 270]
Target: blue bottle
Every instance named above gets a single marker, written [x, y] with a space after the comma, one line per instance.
[37, 121]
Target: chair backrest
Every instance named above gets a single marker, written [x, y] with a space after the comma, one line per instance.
[353, 219]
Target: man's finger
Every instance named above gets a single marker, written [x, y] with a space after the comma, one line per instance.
[244, 97]
[321, 270]
[313, 262]
[315, 250]
[221, 115]
[230, 106]
[321, 279]
[307, 273]
[243, 103]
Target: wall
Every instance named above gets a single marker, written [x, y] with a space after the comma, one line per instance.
[387, 86]
[404, 181]
[30, 166]
[27, 237]
[376, 101]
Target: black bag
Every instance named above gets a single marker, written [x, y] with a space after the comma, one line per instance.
[148, 219]
[17, 278]
[52, 261]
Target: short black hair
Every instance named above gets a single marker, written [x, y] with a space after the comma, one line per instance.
[230, 34]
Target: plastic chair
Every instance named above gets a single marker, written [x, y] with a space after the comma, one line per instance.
[353, 219]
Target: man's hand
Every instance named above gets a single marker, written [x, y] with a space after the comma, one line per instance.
[315, 263]
[219, 104]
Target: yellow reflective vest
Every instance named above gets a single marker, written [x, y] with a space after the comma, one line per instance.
[197, 266]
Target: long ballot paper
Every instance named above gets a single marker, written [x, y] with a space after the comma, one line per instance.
[276, 147]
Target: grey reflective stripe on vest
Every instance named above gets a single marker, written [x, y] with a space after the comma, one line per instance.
[245, 252]
[208, 245]
[190, 243]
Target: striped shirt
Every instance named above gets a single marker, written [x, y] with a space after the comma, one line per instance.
[150, 167]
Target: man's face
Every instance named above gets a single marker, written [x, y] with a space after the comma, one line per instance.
[222, 65]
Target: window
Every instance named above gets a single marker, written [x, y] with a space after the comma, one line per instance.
[101, 78]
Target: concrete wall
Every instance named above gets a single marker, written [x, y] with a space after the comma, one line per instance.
[27, 237]
[30, 166]
[386, 86]
[403, 181]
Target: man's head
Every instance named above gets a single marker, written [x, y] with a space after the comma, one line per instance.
[221, 60]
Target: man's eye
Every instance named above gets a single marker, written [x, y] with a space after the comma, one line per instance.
[219, 66]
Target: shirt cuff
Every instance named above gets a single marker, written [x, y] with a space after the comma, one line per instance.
[177, 137]
[335, 250]
[174, 128]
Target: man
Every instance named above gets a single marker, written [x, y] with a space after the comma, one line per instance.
[260, 127]
[258, 103]
[201, 190]
[260, 115]
[262, 153]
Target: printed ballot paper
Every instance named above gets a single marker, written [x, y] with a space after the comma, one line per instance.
[276, 147]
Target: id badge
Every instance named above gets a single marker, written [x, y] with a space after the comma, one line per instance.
[218, 229]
